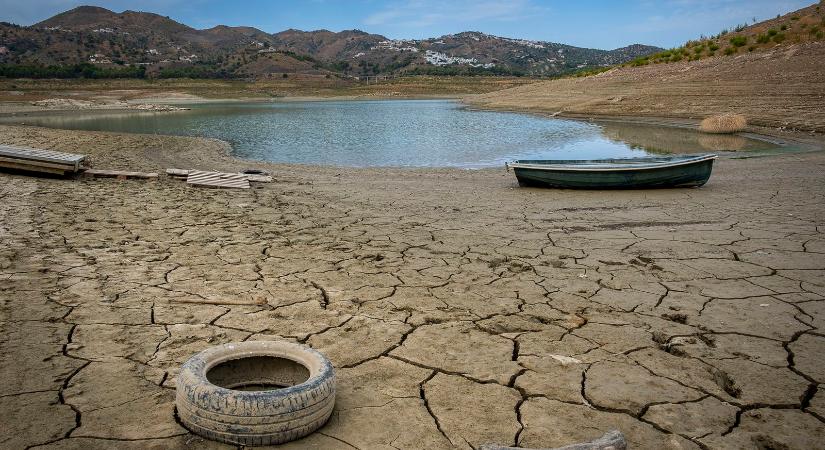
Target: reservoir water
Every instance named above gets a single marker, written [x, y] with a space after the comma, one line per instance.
[410, 133]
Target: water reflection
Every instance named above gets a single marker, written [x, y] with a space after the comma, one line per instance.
[663, 140]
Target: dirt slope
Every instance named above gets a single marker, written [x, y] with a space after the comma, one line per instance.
[783, 87]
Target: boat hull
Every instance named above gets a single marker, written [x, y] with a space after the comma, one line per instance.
[688, 175]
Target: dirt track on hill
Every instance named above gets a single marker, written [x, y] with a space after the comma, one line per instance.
[457, 308]
[783, 88]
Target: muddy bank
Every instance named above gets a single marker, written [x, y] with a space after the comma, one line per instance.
[458, 308]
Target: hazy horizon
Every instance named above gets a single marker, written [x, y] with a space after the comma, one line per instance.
[591, 23]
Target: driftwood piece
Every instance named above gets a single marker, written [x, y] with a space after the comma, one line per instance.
[612, 440]
[177, 172]
[259, 178]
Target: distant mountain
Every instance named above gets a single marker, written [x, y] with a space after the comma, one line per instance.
[375, 53]
[95, 35]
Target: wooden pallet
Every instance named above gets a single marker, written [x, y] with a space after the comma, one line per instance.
[183, 173]
[38, 160]
[217, 179]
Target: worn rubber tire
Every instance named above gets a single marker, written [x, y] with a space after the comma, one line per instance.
[255, 417]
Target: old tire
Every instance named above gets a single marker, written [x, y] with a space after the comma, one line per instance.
[210, 403]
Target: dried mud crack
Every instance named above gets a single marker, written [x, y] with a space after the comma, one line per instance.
[458, 309]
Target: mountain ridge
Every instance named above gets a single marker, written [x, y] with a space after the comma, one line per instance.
[96, 35]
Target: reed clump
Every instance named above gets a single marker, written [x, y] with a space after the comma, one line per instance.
[723, 124]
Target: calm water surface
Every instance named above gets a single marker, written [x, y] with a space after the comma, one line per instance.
[414, 133]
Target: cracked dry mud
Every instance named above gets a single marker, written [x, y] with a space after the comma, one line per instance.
[458, 309]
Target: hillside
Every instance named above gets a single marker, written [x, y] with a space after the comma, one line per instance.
[804, 25]
[782, 88]
[159, 45]
[780, 84]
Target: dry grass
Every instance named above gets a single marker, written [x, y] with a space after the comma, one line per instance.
[723, 124]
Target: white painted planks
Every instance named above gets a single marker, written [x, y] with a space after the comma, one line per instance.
[218, 179]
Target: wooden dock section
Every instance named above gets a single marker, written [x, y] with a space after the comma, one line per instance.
[38, 160]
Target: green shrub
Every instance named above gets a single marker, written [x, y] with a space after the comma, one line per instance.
[783, 27]
[713, 47]
[699, 50]
[739, 41]
[199, 71]
[772, 32]
[82, 70]
[751, 48]
[779, 38]
[642, 61]
[820, 35]
[763, 39]
[730, 50]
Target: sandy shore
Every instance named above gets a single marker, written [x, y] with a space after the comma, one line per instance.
[458, 308]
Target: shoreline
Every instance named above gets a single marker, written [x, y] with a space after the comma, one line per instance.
[798, 141]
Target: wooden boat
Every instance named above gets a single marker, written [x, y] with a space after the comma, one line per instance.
[631, 173]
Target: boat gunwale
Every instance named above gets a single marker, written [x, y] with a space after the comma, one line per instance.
[617, 167]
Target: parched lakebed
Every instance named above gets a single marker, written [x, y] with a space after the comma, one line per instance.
[457, 308]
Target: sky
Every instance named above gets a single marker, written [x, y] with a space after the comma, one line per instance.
[602, 24]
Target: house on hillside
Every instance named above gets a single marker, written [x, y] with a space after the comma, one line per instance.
[97, 58]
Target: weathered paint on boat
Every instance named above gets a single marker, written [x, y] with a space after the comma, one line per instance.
[633, 173]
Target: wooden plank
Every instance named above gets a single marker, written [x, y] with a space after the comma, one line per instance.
[48, 156]
[218, 179]
[259, 178]
[31, 168]
[177, 172]
[119, 174]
